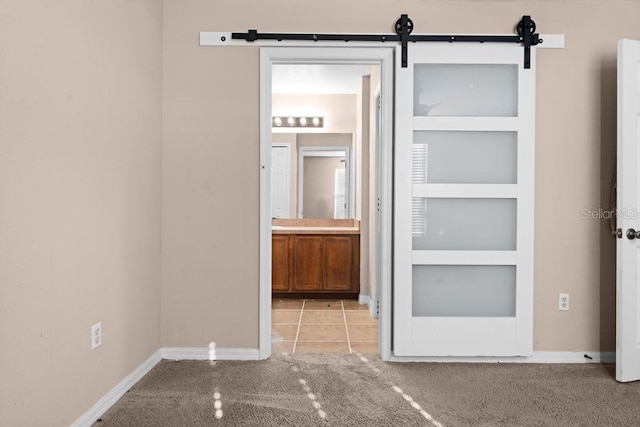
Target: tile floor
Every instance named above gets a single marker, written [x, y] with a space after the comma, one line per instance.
[322, 326]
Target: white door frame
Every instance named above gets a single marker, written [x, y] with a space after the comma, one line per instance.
[374, 258]
[382, 56]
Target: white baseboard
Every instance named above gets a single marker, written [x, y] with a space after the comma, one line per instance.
[204, 353]
[364, 299]
[537, 357]
[574, 357]
[96, 411]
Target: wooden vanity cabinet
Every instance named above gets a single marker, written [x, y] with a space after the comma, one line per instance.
[316, 263]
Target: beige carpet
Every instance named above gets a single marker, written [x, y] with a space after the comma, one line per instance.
[351, 390]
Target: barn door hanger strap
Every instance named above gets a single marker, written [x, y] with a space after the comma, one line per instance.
[526, 36]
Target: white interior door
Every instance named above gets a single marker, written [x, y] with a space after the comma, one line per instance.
[628, 209]
[463, 217]
[280, 180]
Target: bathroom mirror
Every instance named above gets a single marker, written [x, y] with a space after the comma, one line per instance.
[306, 166]
[325, 183]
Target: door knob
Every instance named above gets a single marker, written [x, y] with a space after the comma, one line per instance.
[633, 234]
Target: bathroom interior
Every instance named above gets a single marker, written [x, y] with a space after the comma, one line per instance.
[324, 134]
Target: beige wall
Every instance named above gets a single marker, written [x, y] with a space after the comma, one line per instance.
[211, 111]
[80, 133]
[210, 216]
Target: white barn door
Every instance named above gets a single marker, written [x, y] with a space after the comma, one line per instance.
[628, 210]
[463, 208]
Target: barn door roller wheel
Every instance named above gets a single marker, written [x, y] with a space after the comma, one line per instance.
[399, 26]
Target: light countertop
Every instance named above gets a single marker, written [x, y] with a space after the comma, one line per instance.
[278, 229]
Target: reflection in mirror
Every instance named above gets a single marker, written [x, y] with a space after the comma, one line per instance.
[280, 180]
[328, 184]
[324, 183]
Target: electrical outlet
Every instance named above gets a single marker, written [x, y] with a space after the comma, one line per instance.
[563, 302]
[96, 335]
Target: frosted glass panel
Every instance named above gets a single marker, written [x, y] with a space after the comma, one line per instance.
[464, 290]
[465, 157]
[466, 90]
[464, 224]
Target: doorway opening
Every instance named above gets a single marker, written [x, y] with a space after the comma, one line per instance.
[323, 219]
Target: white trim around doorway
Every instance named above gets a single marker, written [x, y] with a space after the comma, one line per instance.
[382, 56]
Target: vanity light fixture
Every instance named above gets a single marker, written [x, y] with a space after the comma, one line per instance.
[297, 122]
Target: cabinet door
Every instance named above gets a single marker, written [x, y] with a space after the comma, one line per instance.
[280, 258]
[338, 263]
[307, 263]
